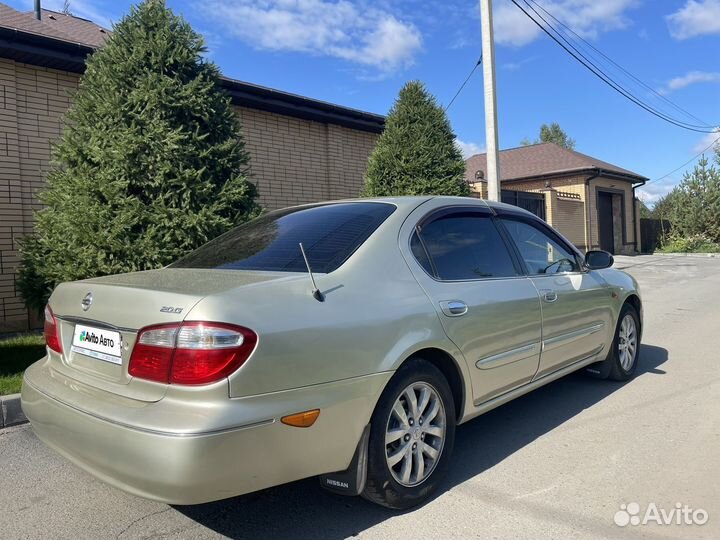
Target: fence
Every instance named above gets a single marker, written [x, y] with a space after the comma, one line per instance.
[532, 202]
[651, 233]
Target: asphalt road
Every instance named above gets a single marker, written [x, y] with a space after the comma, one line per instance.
[559, 462]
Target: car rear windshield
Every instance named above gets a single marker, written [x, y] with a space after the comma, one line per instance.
[329, 233]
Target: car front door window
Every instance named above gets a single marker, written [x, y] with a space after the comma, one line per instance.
[541, 253]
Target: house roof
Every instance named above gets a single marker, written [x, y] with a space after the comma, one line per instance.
[63, 42]
[55, 25]
[545, 160]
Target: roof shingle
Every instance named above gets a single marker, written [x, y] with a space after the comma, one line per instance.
[54, 25]
[543, 159]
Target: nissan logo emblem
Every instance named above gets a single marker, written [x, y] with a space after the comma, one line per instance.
[87, 301]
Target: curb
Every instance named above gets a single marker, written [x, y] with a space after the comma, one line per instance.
[702, 255]
[11, 413]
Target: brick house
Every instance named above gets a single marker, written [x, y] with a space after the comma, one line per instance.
[591, 202]
[302, 150]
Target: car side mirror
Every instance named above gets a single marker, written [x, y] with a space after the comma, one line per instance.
[597, 259]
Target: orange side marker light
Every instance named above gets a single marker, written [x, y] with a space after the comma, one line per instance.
[301, 419]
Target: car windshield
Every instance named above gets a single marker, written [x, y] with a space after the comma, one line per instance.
[329, 233]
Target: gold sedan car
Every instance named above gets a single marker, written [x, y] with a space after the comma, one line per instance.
[344, 340]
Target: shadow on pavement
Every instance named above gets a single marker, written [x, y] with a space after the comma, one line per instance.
[303, 510]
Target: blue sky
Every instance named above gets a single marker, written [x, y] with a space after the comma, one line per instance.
[358, 53]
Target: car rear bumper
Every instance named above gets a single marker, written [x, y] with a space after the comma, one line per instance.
[191, 468]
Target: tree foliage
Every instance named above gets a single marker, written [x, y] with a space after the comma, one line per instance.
[416, 153]
[151, 163]
[693, 206]
[552, 133]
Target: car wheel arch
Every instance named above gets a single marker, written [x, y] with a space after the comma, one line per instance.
[449, 367]
[634, 300]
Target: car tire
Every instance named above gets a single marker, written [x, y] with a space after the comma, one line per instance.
[625, 353]
[408, 458]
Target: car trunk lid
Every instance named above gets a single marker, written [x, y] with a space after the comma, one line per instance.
[99, 319]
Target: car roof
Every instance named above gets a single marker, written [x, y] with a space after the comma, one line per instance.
[407, 203]
[410, 202]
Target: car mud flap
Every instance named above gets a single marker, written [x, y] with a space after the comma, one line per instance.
[351, 481]
[601, 369]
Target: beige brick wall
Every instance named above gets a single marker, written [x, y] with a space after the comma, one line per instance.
[293, 161]
[572, 183]
[479, 190]
[33, 102]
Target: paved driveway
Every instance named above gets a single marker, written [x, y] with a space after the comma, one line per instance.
[556, 463]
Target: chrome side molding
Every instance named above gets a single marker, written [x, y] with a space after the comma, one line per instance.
[564, 339]
[508, 357]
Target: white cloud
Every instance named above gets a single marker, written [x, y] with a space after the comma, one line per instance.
[512, 27]
[705, 144]
[515, 66]
[588, 18]
[652, 193]
[469, 149]
[345, 29]
[695, 18]
[691, 77]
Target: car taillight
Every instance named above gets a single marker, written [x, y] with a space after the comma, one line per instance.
[51, 331]
[190, 352]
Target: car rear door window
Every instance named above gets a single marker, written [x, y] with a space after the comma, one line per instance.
[462, 245]
[542, 253]
[330, 234]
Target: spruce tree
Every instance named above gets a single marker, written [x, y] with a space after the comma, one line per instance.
[416, 153]
[151, 163]
[695, 202]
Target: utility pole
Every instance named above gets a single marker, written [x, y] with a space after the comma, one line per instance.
[491, 129]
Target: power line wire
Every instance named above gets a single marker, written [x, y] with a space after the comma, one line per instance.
[464, 82]
[598, 72]
[708, 147]
[714, 129]
[621, 68]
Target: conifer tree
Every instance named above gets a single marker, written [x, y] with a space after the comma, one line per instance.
[416, 153]
[151, 163]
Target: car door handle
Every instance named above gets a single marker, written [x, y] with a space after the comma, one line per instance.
[548, 295]
[454, 308]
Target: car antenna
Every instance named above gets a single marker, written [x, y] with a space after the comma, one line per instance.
[317, 295]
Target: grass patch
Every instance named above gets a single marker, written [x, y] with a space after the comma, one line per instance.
[16, 354]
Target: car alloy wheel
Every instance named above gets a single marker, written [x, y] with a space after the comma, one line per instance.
[627, 342]
[415, 434]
